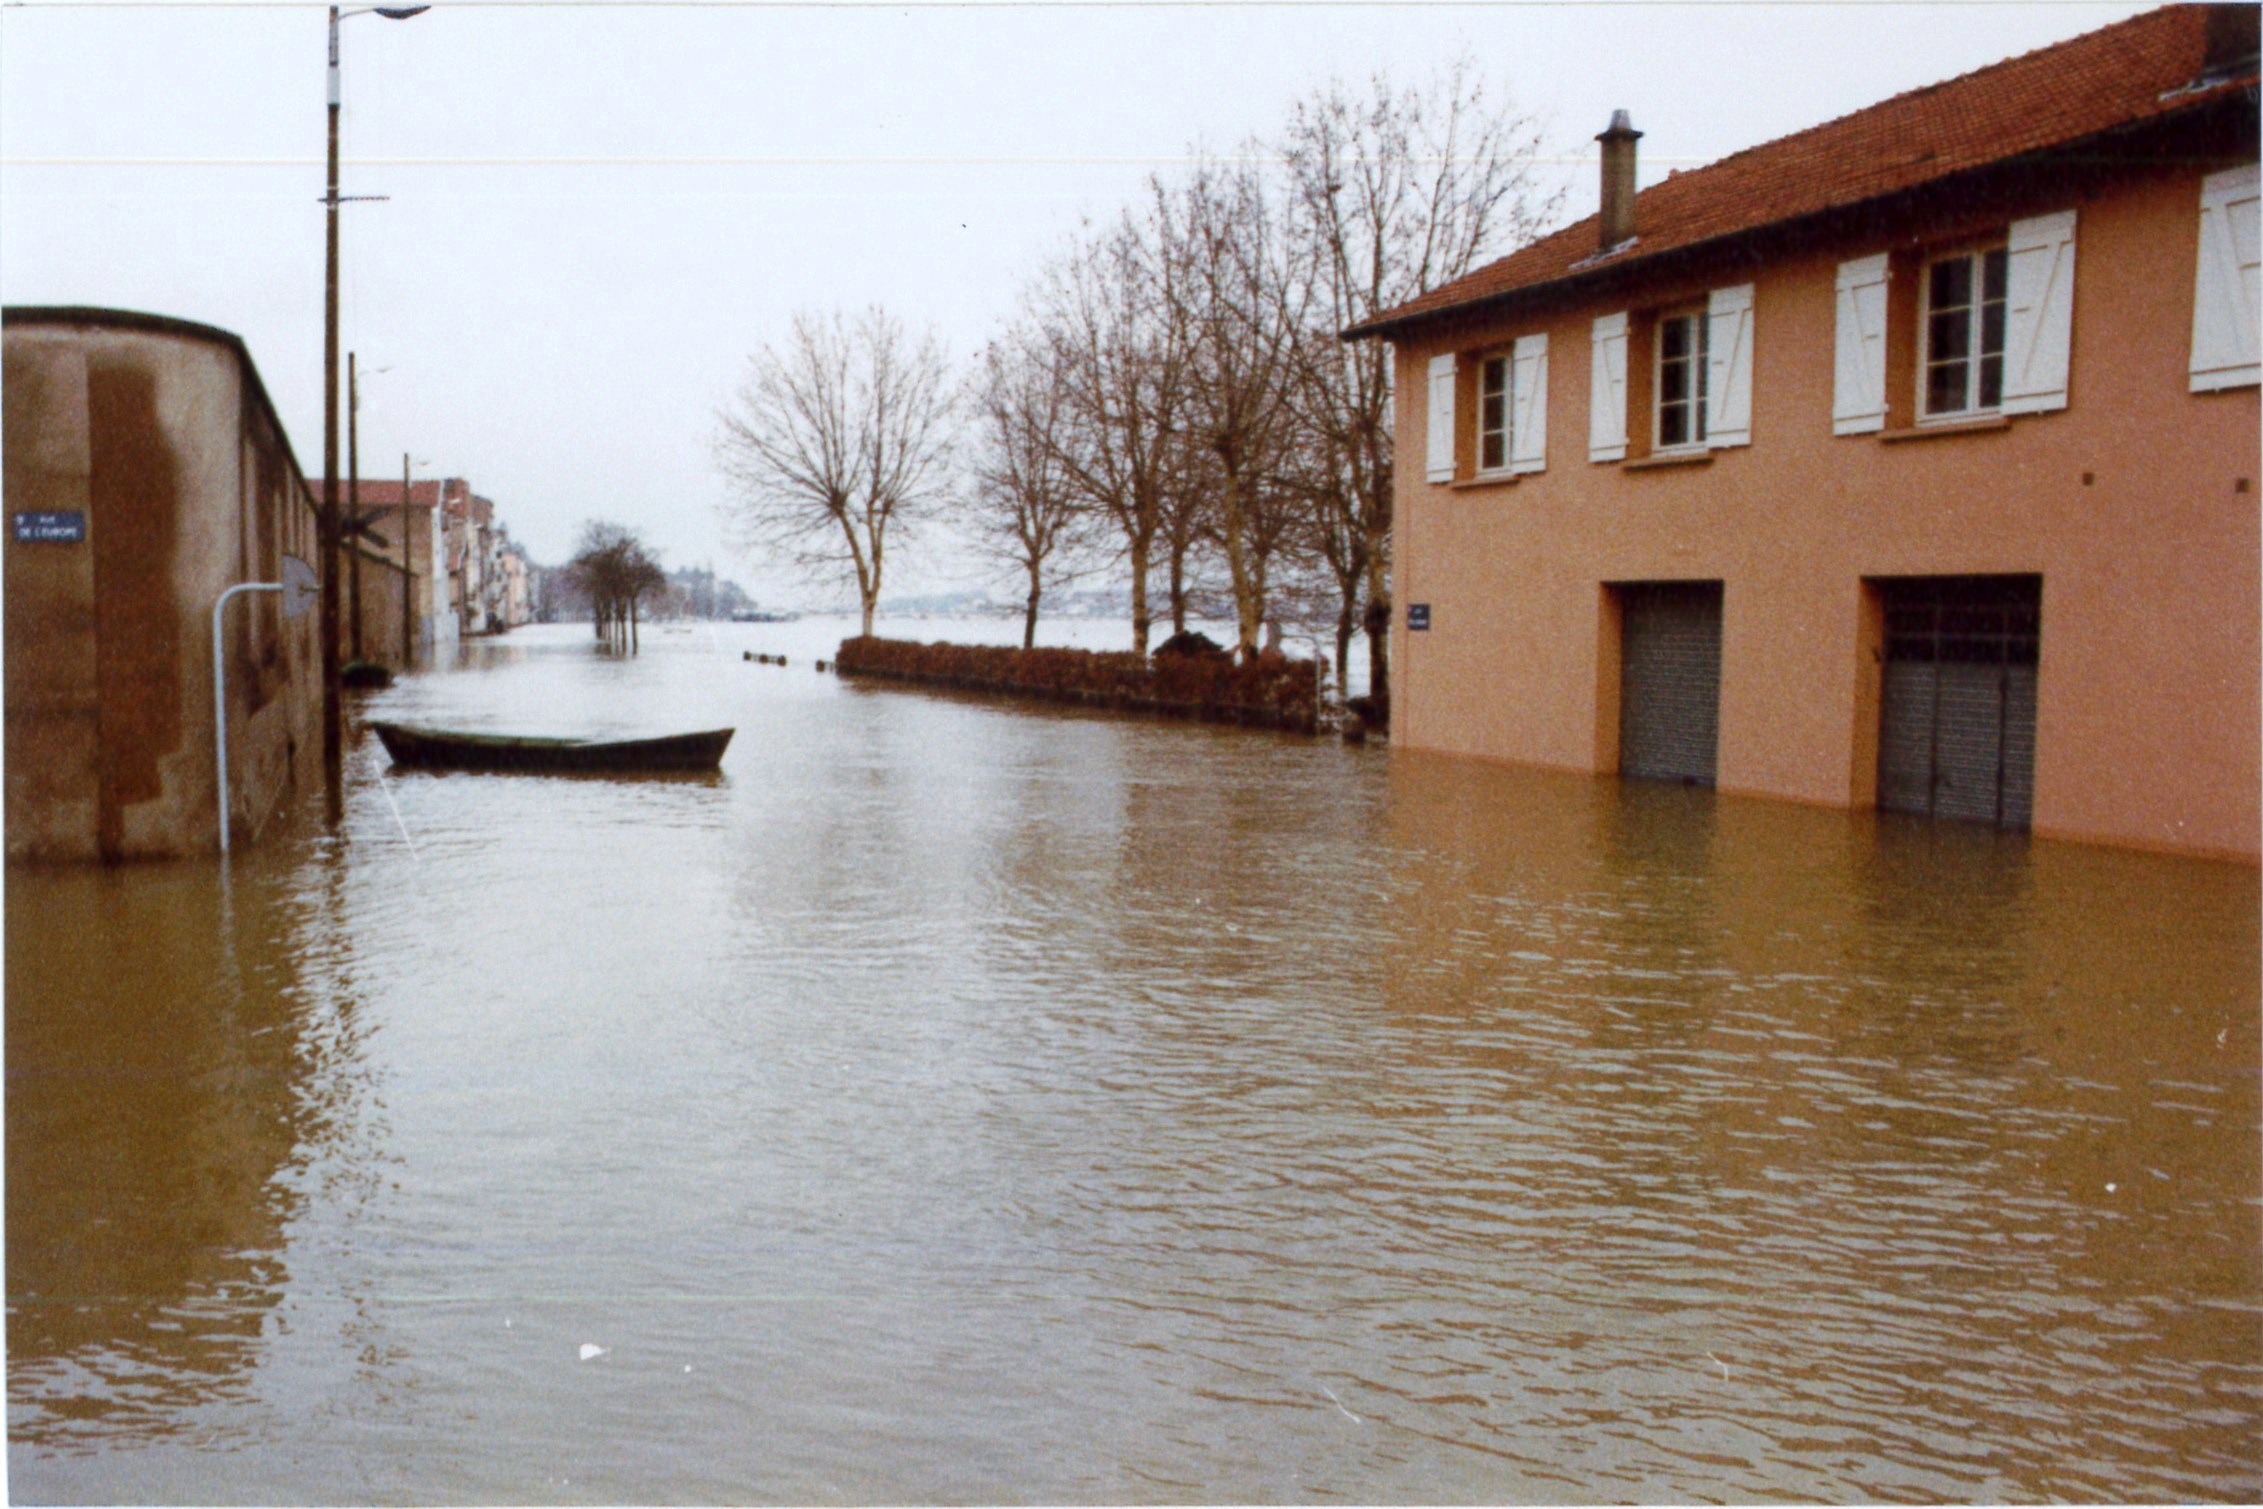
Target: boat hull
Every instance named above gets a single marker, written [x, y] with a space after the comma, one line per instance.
[442, 749]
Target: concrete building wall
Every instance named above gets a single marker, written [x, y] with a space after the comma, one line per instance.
[382, 612]
[2136, 504]
[158, 434]
[409, 533]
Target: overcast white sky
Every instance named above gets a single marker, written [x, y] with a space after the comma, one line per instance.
[598, 209]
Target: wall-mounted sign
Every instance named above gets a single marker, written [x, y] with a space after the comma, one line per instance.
[1418, 615]
[301, 587]
[55, 528]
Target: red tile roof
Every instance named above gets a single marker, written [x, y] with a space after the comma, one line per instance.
[2133, 71]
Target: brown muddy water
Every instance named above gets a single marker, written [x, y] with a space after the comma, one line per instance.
[954, 1101]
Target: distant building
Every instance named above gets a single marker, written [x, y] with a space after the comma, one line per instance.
[432, 620]
[475, 545]
[518, 579]
[1906, 462]
[145, 473]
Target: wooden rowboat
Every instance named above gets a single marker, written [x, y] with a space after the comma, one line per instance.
[464, 751]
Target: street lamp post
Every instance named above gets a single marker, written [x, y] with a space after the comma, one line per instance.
[333, 726]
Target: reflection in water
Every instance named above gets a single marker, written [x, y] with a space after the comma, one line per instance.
[1907, 1132]
[954, 1100]
[151, 1120]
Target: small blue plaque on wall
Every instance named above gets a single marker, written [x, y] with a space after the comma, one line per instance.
[48, 527]
[1418, 615]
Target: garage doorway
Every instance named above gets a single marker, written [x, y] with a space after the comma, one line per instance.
[1669, 680]
[1956, 735]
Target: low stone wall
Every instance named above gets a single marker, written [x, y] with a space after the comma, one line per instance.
[1271, 691]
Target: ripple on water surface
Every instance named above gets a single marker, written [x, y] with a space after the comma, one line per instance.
[952, 1100]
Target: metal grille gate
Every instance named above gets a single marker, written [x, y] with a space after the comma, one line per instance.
[1957, 711]
[1669, 680]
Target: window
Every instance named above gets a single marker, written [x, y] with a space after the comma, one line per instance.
[1495, 383]
[1681, 380]
[1504, 401]
[1965, 301]
[1687, 367]
[1956, 334]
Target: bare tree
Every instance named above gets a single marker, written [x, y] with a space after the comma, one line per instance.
[1228, 281]
[1119, 360]
[615, 571]
[1022, 506]
[1390, 193]
[835, 440]
[1186, 511]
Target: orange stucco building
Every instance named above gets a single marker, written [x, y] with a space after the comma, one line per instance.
[1909, 461]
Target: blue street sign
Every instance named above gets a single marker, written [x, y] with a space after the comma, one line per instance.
[59, 528]
[1418, 615]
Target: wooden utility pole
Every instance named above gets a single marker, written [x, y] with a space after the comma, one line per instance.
[353, 500]
[408, 572]
[333, 728]
[333, 720]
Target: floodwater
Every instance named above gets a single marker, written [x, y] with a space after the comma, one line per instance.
[954, 1101]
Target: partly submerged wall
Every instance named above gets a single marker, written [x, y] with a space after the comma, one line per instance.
[145, 472]
[1270, 691]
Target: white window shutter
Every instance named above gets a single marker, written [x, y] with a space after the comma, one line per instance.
[1607, 390]
[1728, 366]
[1858, 395]
[2039, 313]
[2225, 299]
[1441, 418]
[1528, 430]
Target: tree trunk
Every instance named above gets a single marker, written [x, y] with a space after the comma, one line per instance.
[1029, 618]
[1179, 586]
[1379, 655]
[1249, 606]
[1345, 628]
[1379, 609]
[1142, 623]
[632, 626]
[871, 600]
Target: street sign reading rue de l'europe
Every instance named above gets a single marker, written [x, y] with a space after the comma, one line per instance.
[47, 527]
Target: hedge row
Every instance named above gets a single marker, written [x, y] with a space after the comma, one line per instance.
[1271, 691]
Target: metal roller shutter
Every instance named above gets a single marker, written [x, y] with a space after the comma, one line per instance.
[1669, 680]
[1956, 734]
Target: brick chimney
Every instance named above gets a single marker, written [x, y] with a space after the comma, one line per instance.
[1618, 179]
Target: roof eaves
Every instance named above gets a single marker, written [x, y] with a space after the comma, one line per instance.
[1592, 269]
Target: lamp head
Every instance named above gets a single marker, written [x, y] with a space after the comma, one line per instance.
[400, 12]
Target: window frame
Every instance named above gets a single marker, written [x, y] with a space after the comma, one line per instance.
[1504, 361]
[1977, 356]
[1695, 396]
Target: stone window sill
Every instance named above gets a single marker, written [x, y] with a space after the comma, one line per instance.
[1481, 484]
[1989, 425]
[1660, 459]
